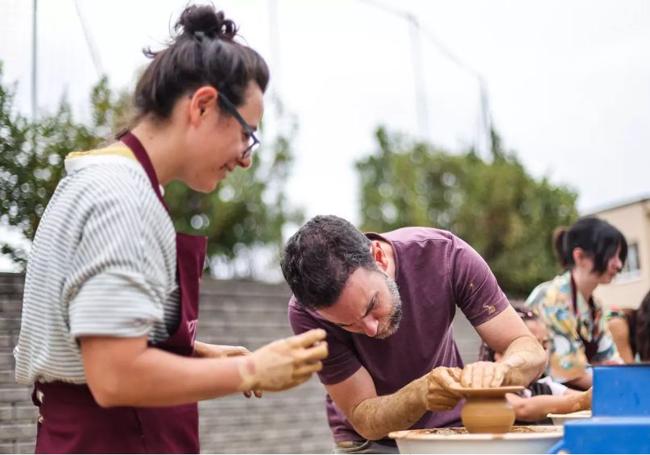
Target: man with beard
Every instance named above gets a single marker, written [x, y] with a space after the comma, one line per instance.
[387, 302]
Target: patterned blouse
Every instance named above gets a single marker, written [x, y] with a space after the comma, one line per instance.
[553, 303]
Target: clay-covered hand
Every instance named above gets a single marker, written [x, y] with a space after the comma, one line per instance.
[441, 382]
[284, 363]
[486, 374]
[217, 351]
[584, 402]
[206, 350]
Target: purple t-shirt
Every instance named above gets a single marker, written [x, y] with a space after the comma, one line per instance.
[435, 272]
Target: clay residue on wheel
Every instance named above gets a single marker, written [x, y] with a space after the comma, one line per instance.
[462, 430]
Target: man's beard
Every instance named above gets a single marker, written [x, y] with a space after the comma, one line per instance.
[396, 314]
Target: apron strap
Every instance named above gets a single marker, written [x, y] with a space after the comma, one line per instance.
[140, 153]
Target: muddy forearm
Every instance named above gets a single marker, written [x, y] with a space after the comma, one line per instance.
[526, 359]
[374, 418]
[538, 407]
[571, 403]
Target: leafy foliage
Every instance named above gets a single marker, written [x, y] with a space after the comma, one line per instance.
[507, 215]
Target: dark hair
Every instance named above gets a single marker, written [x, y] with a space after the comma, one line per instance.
[321, 256]
[596, 237]
[486, 353]
[642, 337]
[203, 52]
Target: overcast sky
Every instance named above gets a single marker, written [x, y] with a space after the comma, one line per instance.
[568, 81]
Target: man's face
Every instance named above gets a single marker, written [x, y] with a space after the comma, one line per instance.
[369, 304]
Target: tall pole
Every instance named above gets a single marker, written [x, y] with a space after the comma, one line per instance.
[274, 44]
[486, 121]
[420, 86]
[417, 31]
[34, 59]
[92, 49]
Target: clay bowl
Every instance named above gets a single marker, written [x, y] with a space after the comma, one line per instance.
[521, 439]
[486, 410]
[560, 419]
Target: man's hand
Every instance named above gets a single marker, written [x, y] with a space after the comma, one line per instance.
[584, 400]
[285, 363]
[440, 384]
[480, 375]
[523, 356]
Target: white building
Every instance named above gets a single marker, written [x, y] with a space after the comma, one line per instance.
[632, 218]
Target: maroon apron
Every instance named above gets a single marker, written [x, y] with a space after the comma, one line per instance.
[71, 421]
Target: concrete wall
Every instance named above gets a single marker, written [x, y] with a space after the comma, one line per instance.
[232, 312]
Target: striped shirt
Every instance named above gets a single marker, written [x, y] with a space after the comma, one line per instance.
[103, 262]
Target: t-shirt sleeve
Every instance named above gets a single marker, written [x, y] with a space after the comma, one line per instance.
[112, 289]
[475, 287]
[341, 361]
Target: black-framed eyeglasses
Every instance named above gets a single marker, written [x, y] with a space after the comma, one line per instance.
[253, 142]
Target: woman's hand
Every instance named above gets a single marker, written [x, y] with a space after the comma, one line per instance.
[206, 351]
[285, 363]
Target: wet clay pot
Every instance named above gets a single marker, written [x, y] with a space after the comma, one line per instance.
[487, 410]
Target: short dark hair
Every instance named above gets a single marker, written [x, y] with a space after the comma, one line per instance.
[203, 52]
[321, 256]
[596, 237]
[642, 329]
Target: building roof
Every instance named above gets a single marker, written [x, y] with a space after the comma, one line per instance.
[613, 206]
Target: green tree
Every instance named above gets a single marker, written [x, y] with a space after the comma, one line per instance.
[507, 215]
[245, 213]
[31, 162]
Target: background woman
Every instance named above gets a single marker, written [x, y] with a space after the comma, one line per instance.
[630, 329]
[111, 293]
[592, 252]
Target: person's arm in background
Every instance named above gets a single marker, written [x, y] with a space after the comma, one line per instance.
[621, 335]
[538, 407]
[582, 382]
[523, 360]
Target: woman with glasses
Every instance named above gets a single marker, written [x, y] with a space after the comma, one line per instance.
[544, 396]
[591, 252]
[111, 292]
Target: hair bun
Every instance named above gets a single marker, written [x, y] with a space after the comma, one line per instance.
[206, 19]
